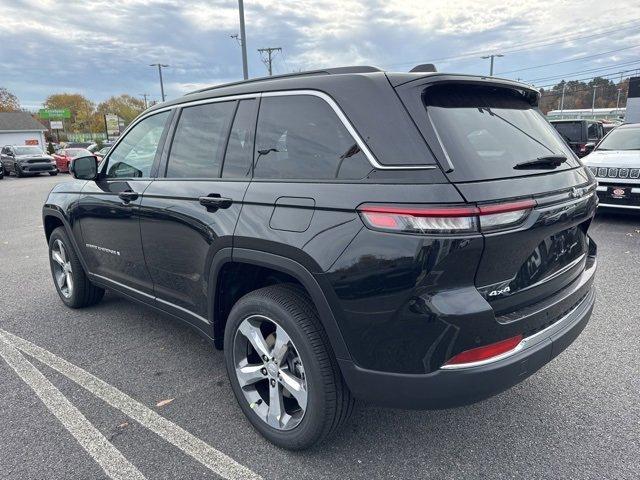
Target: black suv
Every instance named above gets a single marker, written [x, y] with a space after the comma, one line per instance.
[414, 240]
[581, 135]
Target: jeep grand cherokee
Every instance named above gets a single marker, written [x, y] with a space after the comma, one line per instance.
[416, 240]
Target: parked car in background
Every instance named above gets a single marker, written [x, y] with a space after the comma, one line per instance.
[581, 135]
[102, 152]
[616, 164]
[1, 170]
[24, 160]
[65, 156]
[415, 240]
[86, 145]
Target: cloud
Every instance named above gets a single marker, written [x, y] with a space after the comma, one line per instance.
[101, 48]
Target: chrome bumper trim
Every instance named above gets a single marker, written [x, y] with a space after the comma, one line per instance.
[571, 318]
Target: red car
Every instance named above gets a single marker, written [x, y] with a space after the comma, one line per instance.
[65, 156]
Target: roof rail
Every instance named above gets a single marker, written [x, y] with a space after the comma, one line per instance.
[326, 71]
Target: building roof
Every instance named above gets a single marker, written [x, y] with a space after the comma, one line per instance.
[19, 121]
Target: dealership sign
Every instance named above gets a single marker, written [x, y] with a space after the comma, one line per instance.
[49, 113]
[112, 122]
[56, 124]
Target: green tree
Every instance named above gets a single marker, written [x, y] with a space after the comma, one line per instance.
[8, 101]
[125, 106]
[82, 110]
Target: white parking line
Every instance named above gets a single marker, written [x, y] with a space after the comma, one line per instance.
[211, 458]
[114, 464]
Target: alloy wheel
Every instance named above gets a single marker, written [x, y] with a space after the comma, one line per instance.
[62, 271]
[270, 372]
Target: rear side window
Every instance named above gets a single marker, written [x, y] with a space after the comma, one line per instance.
[198, 143]
[301, 137]
[237, 160]
[487, 131]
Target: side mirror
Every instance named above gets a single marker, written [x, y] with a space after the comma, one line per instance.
[84, 168]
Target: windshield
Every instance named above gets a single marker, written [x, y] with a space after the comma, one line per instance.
[487, 131]
[621, 139]
[27, 151]
[78, 152]
[570, 131]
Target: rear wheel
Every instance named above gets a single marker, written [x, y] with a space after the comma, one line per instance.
[282, 369]
[71, 281]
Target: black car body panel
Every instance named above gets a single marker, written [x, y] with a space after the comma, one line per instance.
[396, 306]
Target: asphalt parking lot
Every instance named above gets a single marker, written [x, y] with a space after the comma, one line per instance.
[579, 417]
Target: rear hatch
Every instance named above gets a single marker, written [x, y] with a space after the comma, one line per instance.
[497, 149]
[573, 133]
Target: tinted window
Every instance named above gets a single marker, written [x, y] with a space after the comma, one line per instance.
[592, 131]
[487, 131]
[198, 144]
[237, 160]
[301, 137]
[570, 131]
[134, 155]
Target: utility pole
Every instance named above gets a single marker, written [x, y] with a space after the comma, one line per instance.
[492, 56]
[564, 87]
[144, 95]
[160, 67]
[243, 40]
[593, 102]
[269, 51]
[618, 100]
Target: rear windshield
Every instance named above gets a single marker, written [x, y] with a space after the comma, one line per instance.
[621, 139]
[570, 131]
[487, 131]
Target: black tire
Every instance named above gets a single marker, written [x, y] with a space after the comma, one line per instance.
[84, 293]
[53, 174]
[18, 171]
[329, 401]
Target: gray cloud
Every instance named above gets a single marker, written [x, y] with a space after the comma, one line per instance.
[100, 48]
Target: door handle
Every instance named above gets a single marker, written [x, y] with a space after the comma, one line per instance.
[214, 201]
[128, 195]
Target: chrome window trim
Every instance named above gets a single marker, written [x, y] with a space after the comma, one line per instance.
[280, 93]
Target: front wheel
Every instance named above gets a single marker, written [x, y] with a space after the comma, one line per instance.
[53, 174]
[71, 282]
[282, 369]
[18, 171]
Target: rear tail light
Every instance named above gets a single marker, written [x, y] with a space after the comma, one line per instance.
[483, 354]
[445, 219]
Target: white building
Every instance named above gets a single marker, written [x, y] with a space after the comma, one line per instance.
[20, 128]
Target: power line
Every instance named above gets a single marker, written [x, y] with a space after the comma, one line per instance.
[531, 45]
[604, 76]
[562, 76]
[570, 60]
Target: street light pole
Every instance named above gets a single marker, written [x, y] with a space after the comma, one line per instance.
[492, 56]
[593, 101]
[243, 40]
[564, 87]
[618, 100]
[160, 66]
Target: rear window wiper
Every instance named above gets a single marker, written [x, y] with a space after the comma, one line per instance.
[548, 161]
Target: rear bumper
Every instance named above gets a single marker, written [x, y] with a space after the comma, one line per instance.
[446, 388]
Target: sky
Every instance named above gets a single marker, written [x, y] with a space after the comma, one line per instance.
[104, 47]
